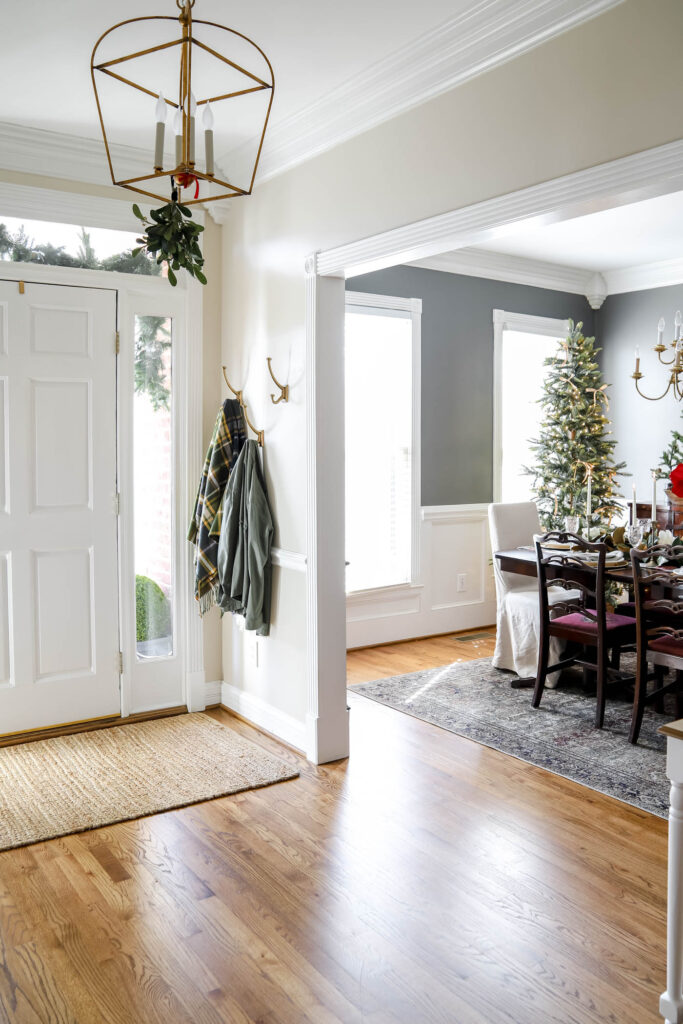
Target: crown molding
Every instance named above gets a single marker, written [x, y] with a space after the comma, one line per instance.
[57, 155]
[496, 266]
[488, 34]
[75, 159]
[648, 275]
[68, 207]
[596, 286]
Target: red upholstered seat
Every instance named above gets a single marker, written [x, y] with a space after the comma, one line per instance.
[666, 645]
[578, 621]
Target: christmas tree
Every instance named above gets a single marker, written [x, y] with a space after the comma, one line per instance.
[574, 443]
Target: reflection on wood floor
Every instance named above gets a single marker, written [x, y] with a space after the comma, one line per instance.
[427, 880]
[369, 663]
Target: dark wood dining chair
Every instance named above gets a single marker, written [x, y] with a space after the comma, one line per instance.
[659, 618]
[583, 621]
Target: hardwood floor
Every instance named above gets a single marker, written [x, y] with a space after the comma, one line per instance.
[427, 879]
[367, 663]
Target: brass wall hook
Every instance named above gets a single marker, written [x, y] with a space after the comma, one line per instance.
[240, 399]
[284, 388]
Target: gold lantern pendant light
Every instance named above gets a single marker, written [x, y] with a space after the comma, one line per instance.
[189, 172]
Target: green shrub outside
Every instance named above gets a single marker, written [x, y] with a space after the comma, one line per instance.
[152, 610]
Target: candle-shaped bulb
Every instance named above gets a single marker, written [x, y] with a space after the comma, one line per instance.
[178, 132]
[207, 121]
[637, 359]
[660, 330]
[193, 111]
[160, 114]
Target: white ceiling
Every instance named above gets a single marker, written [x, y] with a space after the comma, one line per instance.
[313, 47]
[339, 68]
[628, 236]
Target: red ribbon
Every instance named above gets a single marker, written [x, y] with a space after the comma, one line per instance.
[185, 180]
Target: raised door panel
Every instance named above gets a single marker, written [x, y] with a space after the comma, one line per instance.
[4, 442]
[64, 604]
[5, 627]
[62, 431]
[59, 331]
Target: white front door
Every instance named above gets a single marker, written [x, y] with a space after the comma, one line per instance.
[59, 630]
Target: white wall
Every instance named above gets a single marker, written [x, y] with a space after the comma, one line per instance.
[597, 93]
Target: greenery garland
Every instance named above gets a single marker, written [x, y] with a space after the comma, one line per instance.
[172, 238]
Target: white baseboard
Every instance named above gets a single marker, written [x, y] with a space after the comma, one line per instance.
[264, 716]
[213, 692]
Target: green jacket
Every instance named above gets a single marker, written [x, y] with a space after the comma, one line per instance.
[244, 566]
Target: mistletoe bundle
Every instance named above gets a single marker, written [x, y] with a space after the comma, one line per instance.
[573, 440]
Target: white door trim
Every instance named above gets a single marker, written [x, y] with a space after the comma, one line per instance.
[653, 172]
[189, 415]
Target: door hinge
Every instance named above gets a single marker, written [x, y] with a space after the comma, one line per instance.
[117, 342]
[117, 503]
[120, 663]
[21, 287]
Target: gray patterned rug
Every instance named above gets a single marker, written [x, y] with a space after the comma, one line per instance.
[474, 700]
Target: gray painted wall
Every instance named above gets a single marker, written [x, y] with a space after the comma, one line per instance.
[457, 368]
[641, 428]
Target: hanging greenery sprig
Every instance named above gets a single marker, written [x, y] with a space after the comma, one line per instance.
[172, 238]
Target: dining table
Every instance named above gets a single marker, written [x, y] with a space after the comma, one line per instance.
[522, 561]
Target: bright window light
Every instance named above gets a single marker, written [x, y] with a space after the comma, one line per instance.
[522, 374]
[379, 448]
[56, 244]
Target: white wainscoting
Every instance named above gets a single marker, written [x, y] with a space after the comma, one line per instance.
[454, 540]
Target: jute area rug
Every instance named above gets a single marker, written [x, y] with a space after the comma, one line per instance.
[474, 700]
[73, 783]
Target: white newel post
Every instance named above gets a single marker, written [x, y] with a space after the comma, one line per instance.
[671, 1001]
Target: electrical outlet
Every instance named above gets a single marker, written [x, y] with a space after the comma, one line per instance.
[461, 581]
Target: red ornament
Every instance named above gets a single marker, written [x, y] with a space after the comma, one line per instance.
[677, 480]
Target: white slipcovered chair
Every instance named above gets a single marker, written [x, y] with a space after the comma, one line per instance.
[518, 620]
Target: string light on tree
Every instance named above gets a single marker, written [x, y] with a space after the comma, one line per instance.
[574, 436]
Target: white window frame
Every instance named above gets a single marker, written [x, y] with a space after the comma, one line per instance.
[367, 302]
[525, 323]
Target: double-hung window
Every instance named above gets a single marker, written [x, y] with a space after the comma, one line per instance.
[382, 367]
[521, 346]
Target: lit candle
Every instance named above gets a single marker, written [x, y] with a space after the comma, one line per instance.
[660, 330]
[653, 514]
[634, 516]
[161, 127]
[193, 111]
[178, 131]
[207, 121]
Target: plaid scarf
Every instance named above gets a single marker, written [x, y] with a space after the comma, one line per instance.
[226, 443]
